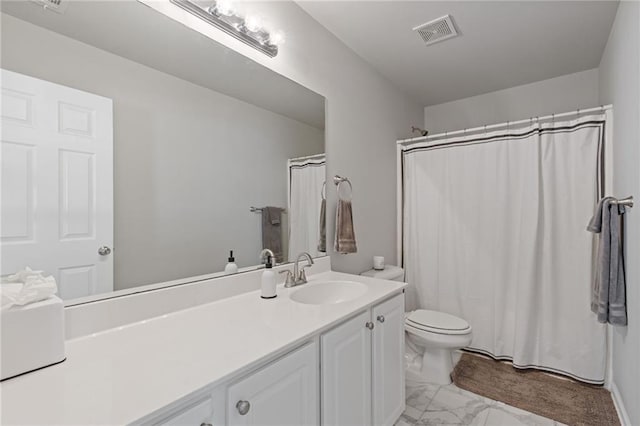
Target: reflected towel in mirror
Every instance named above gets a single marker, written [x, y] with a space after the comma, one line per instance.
[272, 231]
[322, 240]
[345, 241]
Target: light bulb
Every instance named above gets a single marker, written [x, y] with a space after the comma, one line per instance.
[224, 7]
[277, 38]
[253, 23]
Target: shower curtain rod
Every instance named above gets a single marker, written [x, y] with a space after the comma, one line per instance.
[308, 157]
[505, 124]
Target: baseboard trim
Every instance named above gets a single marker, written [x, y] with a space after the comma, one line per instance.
[617, 402]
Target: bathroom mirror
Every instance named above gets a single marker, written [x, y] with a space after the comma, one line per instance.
[136, 151]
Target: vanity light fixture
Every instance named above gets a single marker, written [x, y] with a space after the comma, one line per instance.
[222, 15]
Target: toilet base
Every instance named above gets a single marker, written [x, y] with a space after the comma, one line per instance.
[435, 366]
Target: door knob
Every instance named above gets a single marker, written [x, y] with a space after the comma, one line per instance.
[243, 407]
[369, 325]
[104, 251]
[380, 318]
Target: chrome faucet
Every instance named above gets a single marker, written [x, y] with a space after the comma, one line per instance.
[298, 276]
[264, 255]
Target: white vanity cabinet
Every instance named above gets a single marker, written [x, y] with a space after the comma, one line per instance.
[363, 367]
[199, 413]
[283, 393]
[352, 374]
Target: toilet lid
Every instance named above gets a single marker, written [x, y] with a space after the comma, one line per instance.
[438, 322]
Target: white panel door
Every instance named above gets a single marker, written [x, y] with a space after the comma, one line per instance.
[284, 393]
[388, 361]
[346, 373]
[57, 183]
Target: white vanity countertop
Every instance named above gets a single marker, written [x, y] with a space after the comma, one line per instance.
[120, 375]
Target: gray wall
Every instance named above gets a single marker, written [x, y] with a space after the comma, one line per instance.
[188, 161]
[366, 114]
[556, 95]
[620, 86]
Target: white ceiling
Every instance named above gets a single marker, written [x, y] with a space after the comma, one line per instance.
[502, 44]
[132, 30]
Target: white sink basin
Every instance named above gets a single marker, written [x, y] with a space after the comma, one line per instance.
[328, 292]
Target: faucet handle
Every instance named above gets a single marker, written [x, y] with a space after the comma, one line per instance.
[288, 280]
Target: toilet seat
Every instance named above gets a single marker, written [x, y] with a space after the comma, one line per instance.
[437, 322]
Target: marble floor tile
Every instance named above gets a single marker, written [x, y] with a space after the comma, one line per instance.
[454, 406]
[412, 414]
[419, 395]
[503, 414]
[429, 404]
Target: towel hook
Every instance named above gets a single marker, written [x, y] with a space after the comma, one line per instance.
[339, 180]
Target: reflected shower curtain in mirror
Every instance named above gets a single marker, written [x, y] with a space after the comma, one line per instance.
[494, 232]
[306, 179]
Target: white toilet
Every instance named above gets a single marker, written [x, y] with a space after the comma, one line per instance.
[431, 337]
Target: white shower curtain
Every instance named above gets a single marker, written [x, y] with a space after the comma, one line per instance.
[306, 177]
[494, 232]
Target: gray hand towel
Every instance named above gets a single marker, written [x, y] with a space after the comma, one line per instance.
[322, 243]
[608, 298]
[345, 241]
[272, 231]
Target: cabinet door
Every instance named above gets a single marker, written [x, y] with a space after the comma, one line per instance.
[346, 373]
[284, 392]
[388, 361]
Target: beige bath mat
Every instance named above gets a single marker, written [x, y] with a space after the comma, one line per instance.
[557, 398]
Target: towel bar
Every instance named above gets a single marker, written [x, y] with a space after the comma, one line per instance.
[259, 209]
[627, 202]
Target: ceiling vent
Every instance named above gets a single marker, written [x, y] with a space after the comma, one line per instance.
[437, 30]
[58, 6]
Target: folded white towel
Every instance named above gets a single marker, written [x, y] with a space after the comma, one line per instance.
[26, 286]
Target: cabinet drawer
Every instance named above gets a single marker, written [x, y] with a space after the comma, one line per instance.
[198, 414]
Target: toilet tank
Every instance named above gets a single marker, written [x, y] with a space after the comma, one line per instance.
[390, 272]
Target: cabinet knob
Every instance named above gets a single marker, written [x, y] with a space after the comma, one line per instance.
[243, 407]
[369, 325]
[380, 318]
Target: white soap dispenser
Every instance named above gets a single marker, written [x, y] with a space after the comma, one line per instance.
[231, 267]
[268, 281]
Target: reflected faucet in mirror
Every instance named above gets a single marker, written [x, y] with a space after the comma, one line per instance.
[264, 256]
